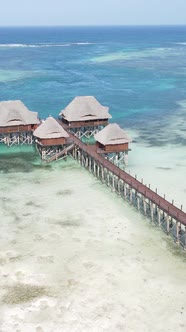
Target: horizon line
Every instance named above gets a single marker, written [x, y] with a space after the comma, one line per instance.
[92, 25]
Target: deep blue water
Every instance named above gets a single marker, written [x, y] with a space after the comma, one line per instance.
[139, 72]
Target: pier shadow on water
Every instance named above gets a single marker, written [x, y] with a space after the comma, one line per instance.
[22, 159]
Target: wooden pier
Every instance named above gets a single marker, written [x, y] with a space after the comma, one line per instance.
[161, 212]
[86, 117]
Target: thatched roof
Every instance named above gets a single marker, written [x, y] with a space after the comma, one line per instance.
[85, 108]
[50, 128]
[15, 113]
[111, 135]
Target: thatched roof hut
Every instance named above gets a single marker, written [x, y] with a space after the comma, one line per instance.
[85, 108]
[15, 113]
[50, 132]
[112, 138]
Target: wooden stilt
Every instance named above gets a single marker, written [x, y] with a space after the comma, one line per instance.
[144, 206]
[125, 190]
[119, 187]
[94, 167]
[102, 174]
[90, 164]
[177, 232]
[168, 224]
[108, 179]
[159, 216]
[131, 195]
[113, 182]
[98, 171]
[138, 203]
[152, 211]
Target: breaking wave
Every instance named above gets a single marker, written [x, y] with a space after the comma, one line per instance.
[181, 43]
[44, 45]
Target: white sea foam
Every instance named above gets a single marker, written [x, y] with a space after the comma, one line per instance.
[43, 45]
[82, 43]
[159, 52]
[181, 43]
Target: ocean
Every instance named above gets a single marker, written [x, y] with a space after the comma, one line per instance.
[73, 255]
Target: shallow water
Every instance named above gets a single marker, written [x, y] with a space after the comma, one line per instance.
[159, 156]
[75, 257]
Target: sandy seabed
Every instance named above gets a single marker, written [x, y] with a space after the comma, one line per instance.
[75, 257]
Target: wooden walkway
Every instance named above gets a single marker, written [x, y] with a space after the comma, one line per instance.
[60, 154]
[162, 203]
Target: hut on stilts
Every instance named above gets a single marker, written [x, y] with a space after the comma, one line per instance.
[17, 123]
[113, 142]
[85, 116]
[51, 140]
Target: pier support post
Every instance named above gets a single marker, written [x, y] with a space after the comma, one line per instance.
[73, 153]
[131, 195]
[119, 187]
[79, 156]
[105, 175]
[113, 182]
[90, 164]
[98, 168]
[116, 184]
[125, 190]
[8, 139]
[108, 178]
[94, 167]
[138, 203]
[86, 161]
[168, 224]
[152, 212]
[81, 159]
[102, 174]
[43, 154]
[159, 216]
[144, 206]
[76, 153]
[126, 158]
[177, 232]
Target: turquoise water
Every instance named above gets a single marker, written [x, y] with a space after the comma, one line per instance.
[139, 72]
[73, 255]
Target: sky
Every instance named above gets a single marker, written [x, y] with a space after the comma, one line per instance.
[92, 12]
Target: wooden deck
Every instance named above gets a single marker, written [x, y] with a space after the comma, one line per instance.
[61, 154]
[161, 202]
[79, 124]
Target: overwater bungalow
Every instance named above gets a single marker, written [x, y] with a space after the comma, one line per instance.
[50, 138]
[17, 123]
[105, 159]
[85, 116]
[113, 141]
